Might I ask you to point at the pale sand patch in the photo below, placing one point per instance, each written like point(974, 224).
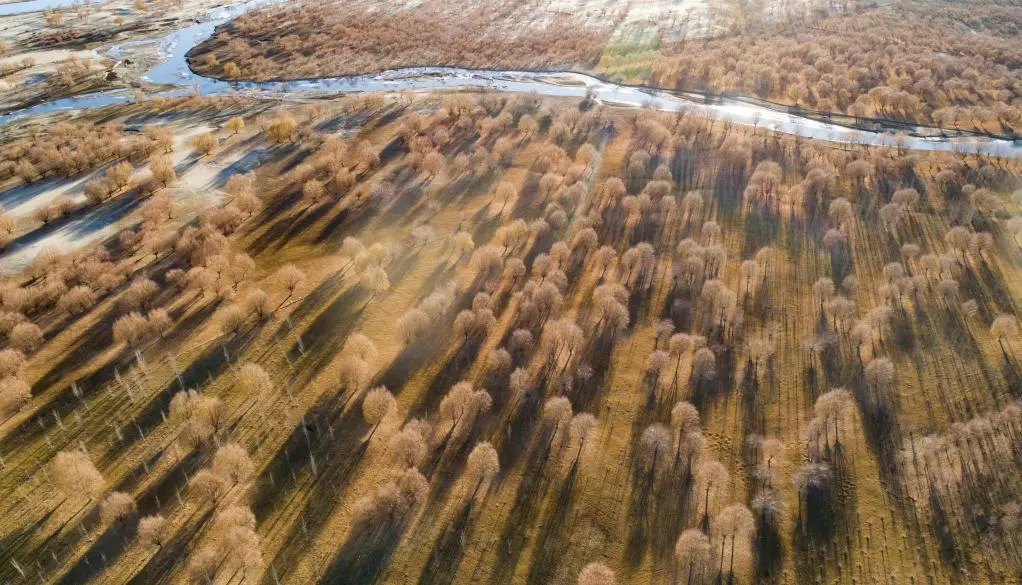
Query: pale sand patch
point(195, 191)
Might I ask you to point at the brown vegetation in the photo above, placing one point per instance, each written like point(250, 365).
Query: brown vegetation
point(361, 39)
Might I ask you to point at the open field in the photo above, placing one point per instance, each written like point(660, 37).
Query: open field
point(463, 338)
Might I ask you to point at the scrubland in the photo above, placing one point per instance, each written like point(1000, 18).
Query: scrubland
point(493, 338)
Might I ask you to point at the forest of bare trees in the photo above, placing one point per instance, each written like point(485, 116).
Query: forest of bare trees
point(499, 333)
point(434, 33)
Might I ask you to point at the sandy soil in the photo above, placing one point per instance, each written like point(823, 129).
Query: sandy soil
point(195, 191)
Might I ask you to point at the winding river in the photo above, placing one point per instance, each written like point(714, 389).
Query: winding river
point(173, 70)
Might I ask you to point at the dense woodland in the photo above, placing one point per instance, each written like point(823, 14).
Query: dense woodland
point(352, 38)
point(493, 337)
point(933, 63)
point(938, 64)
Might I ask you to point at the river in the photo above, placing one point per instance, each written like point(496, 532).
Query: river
point(173, 70)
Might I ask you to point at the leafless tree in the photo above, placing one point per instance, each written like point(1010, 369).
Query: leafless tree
point(713, 477)
point(203, 416)
point(407, 448)
point(282, 129)
point(693, 553)
point(117, 507)
point(162, 170)
point(358, 355)
point(557, 412)
point(736, 522)
point(654, 443)
point(823, 290)
point(202, 565)
point(153, 531)
point(832, 406)
point(233, 464)
point(461, 405)
point(581, 427)
point(596, 574)
point(77, 300)
point(235, 124)
point(75, 475)
point(880, 376)
point(393, 501)
point(482, 466)
point(254, 380)
point(655, 363)
point(704, 364)
point(291, 278)
point(14, 395)
point(25, 337)
point(205, 143)
point(378, 404)
point(1004, 326)
point(813, 481)
point(209, 487)
point(12, 362)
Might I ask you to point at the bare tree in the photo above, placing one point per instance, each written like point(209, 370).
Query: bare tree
point(461, 405)
point(162, 170)
point(1004, 326)
point(234, 124)
point(237, 539)
point(117, 507)
point(233, 464)
point(394, 501)
point(655, 363)
point(407, 448)
point(557, 413)
point(209, 487)
point(12, 362)
point(684, 420)
point(375, 279)
point(75, 475)
point(693, 552)
point(704, 364)
point(14, 395)
point(880, 376)
point(291, 278)
point(581, 427)
point(412, 324)
point(25, 337)
point(482, 466)
point(282, 129)
point(254, 380)
point(202, 565)
point(736, 522)
point(153, 531)
point(713, 477)
point(77, 300)
point(832, 406)
point(205, 143)
point(813, 482)
point(358, 355)
point(596, 574)
point(377, 405)
point(654, 443)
